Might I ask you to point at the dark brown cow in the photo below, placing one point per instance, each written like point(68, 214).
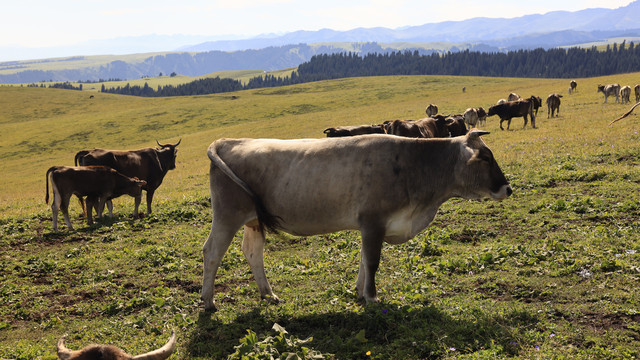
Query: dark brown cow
point(354, 130)
point(95, 182)
point(510, 109)
point(573, 87)
point(423, 128)
point(456, 126)
point(537, 103)
point(553, 104)
point(109, 352)
point(148, 164)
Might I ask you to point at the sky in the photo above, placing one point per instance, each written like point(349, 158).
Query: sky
point(47, 23)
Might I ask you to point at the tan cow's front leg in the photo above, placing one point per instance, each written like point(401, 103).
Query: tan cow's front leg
point(372, 238)
point(253, 250)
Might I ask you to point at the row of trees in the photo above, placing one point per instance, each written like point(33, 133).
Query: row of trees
point(538, 63)
point(63, 85)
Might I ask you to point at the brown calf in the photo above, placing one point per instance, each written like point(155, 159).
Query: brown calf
point(97, 183)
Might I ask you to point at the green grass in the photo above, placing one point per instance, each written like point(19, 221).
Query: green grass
point(551, 272)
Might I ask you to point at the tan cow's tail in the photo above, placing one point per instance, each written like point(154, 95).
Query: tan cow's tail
point(625, 115)
point(265, 219)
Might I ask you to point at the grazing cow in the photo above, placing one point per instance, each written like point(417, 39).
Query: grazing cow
point(388, 187)
point(109, 352)
point(573, 86)
point(354, 130)
point(625, 93)
point(471, 117)
point(501, 101)
point(456, 125)
point(636, 89)
point(482, 116)
point(432, 110)
point(513, 97)
point(553, 104)
point(510, 109)
point(609, 90)
point(148, 164)
point(97, 183)
point(423, 128)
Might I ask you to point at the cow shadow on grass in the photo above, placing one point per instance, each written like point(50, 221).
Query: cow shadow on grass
point(387, 330)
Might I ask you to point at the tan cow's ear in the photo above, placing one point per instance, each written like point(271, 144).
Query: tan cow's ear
point(477, 133)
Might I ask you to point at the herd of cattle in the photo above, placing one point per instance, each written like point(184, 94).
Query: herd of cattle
point(436, 125)
point(387, 187)
point(619, 92)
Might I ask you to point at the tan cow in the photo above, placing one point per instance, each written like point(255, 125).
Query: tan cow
point(97, 183)
point(388, 187)
point(109, 352)
point(513, 97)
point(625, 94)
point(432, 110)
point(636, 89)
point(553, 104)
point(610, 90)
point(471, 117)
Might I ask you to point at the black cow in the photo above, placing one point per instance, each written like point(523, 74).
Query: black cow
point(510, 109)
point(148, 164)
point(354, 130)
point(423, 128)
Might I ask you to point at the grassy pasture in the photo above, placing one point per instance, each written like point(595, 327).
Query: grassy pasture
point(551, 272)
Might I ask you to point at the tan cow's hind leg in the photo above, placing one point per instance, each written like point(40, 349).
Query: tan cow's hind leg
point(213, 250)
point(253, 250)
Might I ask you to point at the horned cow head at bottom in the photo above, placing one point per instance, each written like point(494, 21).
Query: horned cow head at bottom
point(109, 352)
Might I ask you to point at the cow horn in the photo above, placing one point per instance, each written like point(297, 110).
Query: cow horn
point(178, 142)
point(63, 352)
point(162, 353)
point(157, 142)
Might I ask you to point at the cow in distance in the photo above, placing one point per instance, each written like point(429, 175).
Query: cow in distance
point(625, 94)
point(510, 109)
point(573, 86)
point(432, 110)
point(553, 104)
point(610, 90)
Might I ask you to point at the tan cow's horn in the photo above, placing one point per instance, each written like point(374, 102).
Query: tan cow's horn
point(478, 133)
point(63, 352)
point(162, 353)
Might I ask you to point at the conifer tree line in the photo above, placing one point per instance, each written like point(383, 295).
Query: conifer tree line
point(537, 63)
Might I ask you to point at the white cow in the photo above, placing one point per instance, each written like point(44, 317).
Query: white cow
point(388, 187)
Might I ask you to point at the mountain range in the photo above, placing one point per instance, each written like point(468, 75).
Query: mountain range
point(199, 55)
